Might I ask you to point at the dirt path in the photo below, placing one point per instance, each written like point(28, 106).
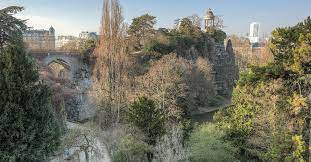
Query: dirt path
point(204, 110)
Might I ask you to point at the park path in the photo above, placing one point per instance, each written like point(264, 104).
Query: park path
point(205, 110)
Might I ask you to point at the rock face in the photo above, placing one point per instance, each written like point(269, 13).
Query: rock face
point(225, 70)
point(203, 73)
point(70, 81)
point(78, 106)
point(222, 58)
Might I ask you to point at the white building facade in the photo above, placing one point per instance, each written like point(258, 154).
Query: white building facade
point(63, 40)
point(88, 35)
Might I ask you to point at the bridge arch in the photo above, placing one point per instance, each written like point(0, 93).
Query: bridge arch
point(62, 62)
point(60, 68)
point(59, 64)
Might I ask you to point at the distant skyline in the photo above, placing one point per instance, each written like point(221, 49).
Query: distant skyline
point(70, 17)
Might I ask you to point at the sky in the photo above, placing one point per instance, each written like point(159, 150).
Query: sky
point(70, 17)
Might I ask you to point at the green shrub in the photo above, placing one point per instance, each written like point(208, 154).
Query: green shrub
point(130, 149)
point(256, 74)
point(144, 114)
point(219, 36)
point(181, 42)
point(207, 145)
point(156, 46)
point(176, 42)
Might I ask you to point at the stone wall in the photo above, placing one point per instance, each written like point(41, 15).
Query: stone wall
point(71, 80)
point(225, 69)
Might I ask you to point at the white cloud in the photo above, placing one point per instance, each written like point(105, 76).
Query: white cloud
point(61, 27)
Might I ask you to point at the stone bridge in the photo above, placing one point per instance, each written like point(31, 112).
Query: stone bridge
point(63, 65)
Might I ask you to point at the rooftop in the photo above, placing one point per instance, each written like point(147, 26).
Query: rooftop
point(209, 14)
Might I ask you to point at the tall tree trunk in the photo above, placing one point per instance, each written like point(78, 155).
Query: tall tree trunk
point(87, 157)
point(111, 66)
point(149, 156)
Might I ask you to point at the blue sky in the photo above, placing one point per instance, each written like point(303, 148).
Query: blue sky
point(73, 16)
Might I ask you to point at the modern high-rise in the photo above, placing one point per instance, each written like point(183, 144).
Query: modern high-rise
point(254, 32)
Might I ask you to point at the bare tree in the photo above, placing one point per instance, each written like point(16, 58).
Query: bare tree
point(176, 23)
point(219, 22)
point(196, 20)
point(84, 139)
point(164, 83)
point(170, 146)
point(110, 70)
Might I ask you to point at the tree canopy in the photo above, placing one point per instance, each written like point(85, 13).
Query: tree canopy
point(270, 115)
point(29, 129)
point(149, 119)
point(206, 145)
point(10, 27)
point(189, 27)
point(141, 29)
point(142, 26)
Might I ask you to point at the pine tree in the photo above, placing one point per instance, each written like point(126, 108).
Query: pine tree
point(141, 29)
point(150, 120)
point(10, 27)
point(29, 129)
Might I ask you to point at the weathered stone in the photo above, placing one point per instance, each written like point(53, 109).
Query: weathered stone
point(74, 77)
point(225, 70)
point(78, 108)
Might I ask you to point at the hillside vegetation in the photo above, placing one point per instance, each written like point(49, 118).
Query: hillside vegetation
point(145, 85)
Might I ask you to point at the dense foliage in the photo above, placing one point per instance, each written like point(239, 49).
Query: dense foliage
point(269, 119)
point(187, 27)
point(144, 114)
point(10, 27)
point(131, 149)
point(141, 29)
point(187, 35)
point(206, 144)
point(178, 42)
point(142, 26)
point(29, 129)
point(219, 36)
point(87, 47)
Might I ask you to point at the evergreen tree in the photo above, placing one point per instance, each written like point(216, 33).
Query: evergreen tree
point(10, 27)
point(142, 26)
point(141, 29)
point(189, 28)
point(150, 120)
point(29, 129)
